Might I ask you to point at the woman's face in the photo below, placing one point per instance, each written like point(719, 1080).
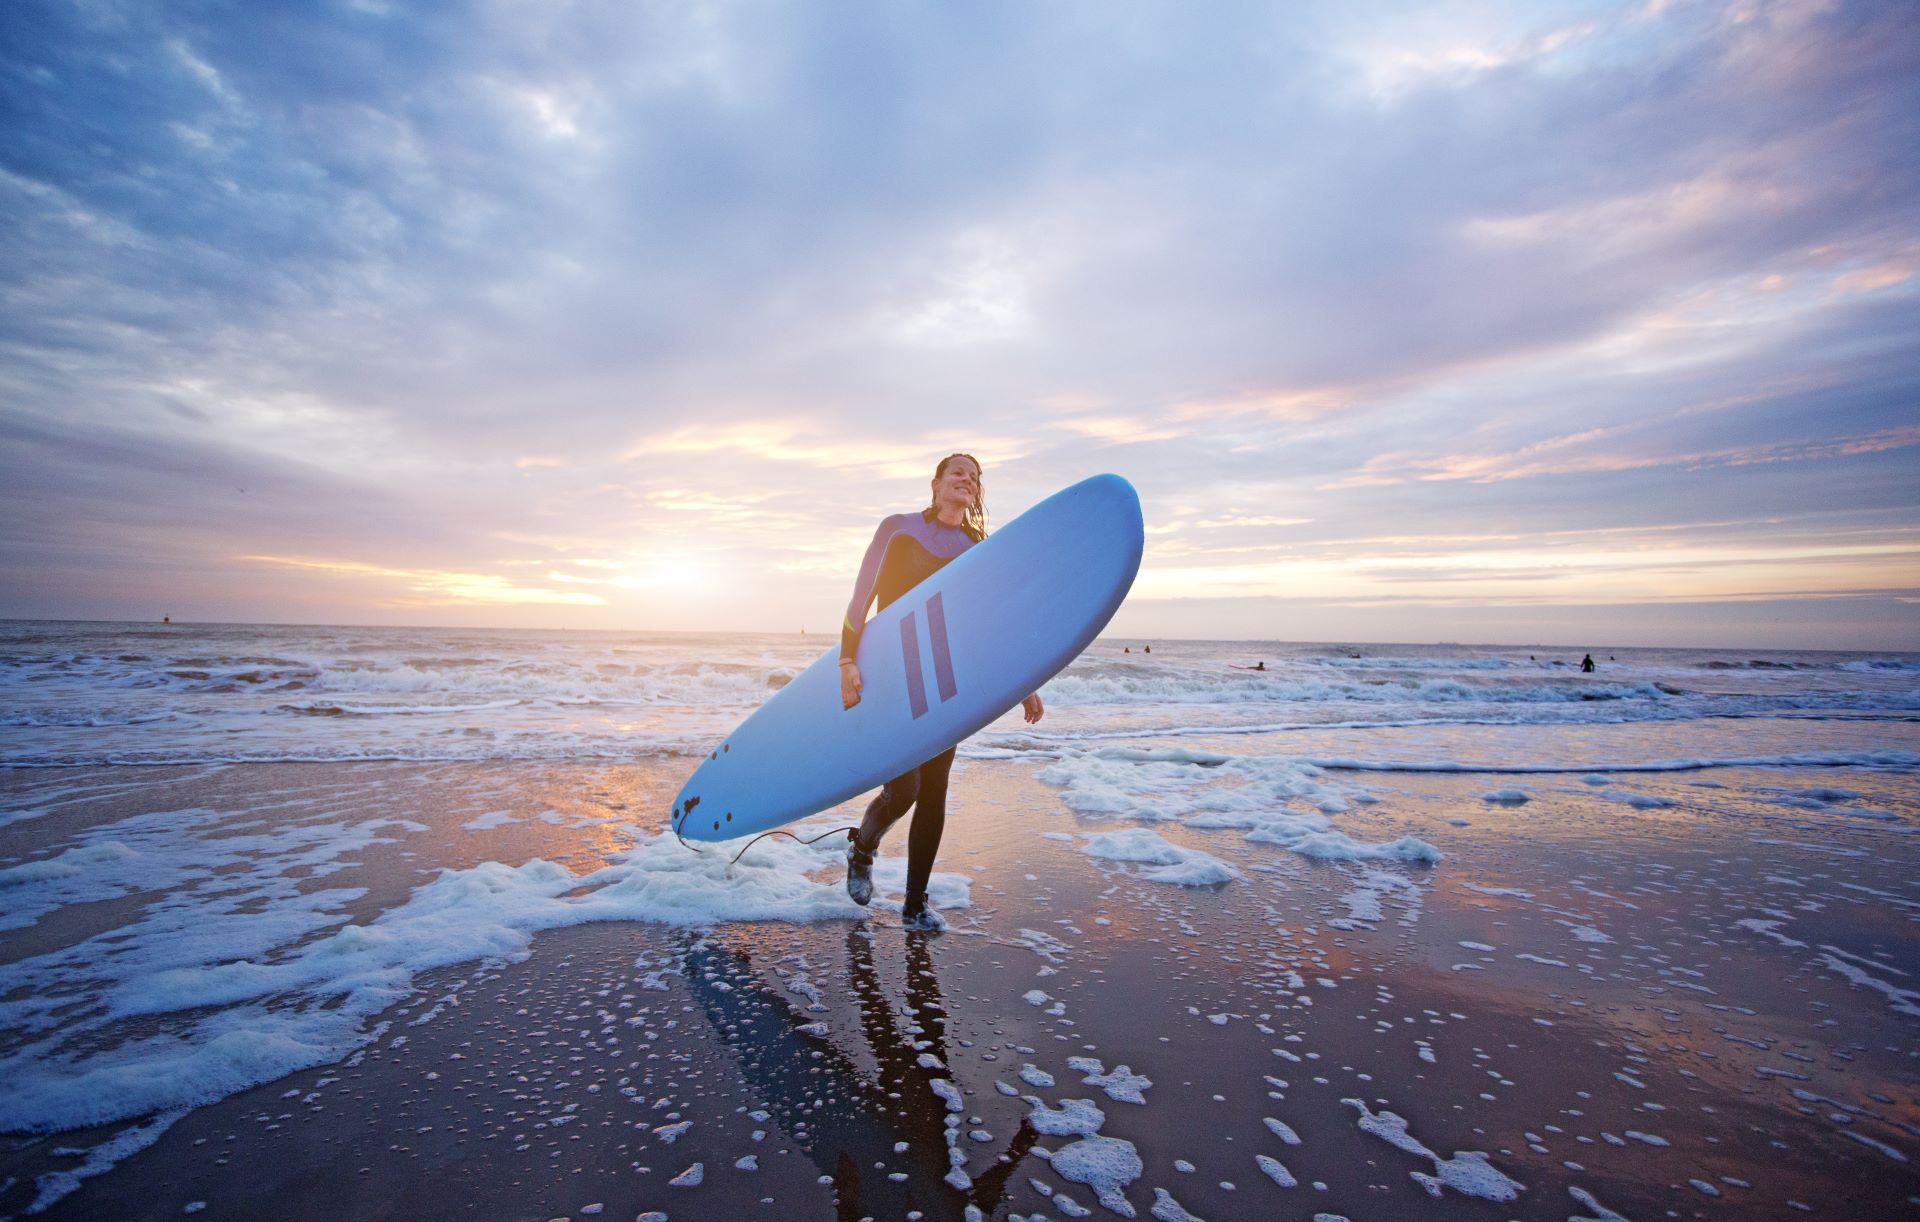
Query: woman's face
point(955, 488)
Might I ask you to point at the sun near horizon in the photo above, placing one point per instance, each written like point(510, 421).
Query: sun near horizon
point(644, 322)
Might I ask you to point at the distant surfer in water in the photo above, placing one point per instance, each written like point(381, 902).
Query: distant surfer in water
point(906, 550)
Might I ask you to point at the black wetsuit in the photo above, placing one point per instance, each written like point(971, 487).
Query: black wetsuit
point(906, 550)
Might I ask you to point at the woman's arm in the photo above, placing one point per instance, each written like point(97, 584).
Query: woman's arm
point(865, 590)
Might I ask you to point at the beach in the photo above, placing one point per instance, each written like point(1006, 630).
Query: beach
point(367, 922)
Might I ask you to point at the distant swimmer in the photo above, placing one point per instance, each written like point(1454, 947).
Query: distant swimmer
point(166, 619)
point(1255, 666)
point(1146, 648)
point(1127, 649)
point(1586, 664)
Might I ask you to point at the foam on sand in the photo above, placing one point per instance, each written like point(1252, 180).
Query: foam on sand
point(164, 851)
point(1641, 801)
point(1167, 863)
point(1276, 1171)
point(1104, 1164)
point(1074, 1118)
point(1903, 1001)
point(282, 1010)
point(1166, 1209)
point(492, 819)
point(1364, 902)
point(1466, 1172)
point(1274, 800)
point(1122, 1085)
point(1338, 846)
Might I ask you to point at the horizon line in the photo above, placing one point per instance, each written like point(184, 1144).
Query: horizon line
point(1541, 645)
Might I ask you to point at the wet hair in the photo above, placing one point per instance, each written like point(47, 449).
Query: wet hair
point(973, 519)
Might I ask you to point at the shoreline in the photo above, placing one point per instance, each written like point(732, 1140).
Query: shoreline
point(1548, 1014)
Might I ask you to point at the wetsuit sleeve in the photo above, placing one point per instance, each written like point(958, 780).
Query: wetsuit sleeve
point(865, 589)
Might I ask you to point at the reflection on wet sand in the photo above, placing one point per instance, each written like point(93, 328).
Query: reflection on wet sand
point(885, 1140)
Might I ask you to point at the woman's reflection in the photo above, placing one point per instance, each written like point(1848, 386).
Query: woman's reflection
point(845, 1119)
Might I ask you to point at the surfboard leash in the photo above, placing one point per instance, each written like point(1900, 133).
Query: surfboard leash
point(850, 831)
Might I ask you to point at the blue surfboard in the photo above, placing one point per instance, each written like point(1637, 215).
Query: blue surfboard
point(951, 655)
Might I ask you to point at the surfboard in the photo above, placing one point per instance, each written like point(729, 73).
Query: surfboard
point(944, 660)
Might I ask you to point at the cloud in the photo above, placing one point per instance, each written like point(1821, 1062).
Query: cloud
point(1549, 458)
point(472, 288)
point(434, 587)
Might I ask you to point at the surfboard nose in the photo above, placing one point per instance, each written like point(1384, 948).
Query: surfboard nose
point(1118, 494)
point(1125, 501)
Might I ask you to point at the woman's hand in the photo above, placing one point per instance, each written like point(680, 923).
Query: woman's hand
point(849, 684)
point(1033, 708)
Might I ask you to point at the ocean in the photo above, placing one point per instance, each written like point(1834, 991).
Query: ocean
point(97, 693)
point(387, 920)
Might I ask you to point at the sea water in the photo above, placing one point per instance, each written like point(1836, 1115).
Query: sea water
point(229, 965)
point(103, 693)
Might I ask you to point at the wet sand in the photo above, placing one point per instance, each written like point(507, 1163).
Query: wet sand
point(1570, 991)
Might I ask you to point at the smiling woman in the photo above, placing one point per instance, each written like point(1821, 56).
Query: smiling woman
point(906, 550)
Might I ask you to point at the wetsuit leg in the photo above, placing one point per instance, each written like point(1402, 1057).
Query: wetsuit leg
point(929, 820)
point(887, 806)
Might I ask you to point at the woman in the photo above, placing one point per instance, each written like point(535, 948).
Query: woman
point(906, 549)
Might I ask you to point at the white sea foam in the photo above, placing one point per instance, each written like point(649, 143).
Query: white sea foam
point(1168, 863)
point(89, 718)
point(1364, 902)
point(55, 1186)
point(1276, 1171)
point(1166, 1209)
point(1467, 1171)
point(166, 850)
point(1165, 685)
point(338, 708)
point(1105, 1164)
point(1121, 1084)
point(1903, 1001)
point(1209, 790)
point(1641, 801)
point(253, 1010)
point(1894, 759)
point(1073, 1118)
point(1338, 846)
point(492, 819)
point(1881, 665)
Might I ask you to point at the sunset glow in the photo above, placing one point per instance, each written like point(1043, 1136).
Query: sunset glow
point(1486, 322)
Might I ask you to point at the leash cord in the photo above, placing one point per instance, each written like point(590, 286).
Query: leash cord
point(850, 831)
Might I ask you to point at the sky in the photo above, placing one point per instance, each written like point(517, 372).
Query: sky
point(1535, 322)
